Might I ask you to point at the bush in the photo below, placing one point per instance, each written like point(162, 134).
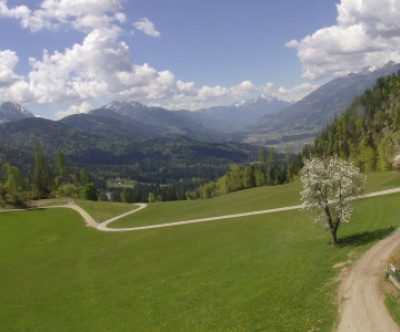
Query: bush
point(67, 190)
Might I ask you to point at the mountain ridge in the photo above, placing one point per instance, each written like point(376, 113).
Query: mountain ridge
point(10, 112)
point(316, 110)
point(262, 120)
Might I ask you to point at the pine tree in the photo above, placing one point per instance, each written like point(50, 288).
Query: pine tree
point(42, 179)
point(61, 168)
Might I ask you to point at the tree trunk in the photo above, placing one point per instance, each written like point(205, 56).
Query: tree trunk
point(334, 238)
point(332, 226)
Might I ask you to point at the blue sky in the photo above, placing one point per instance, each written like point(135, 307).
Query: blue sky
point(59, 57)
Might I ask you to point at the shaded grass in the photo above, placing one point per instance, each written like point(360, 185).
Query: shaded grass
point(260, 273)
point(360, 239)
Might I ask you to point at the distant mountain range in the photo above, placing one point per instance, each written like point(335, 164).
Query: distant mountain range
point(157, 121)
point(229, 119)
point(179, 161)
point(306, 118)
point(263, 120)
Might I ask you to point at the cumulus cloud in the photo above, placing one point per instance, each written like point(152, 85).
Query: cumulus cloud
point(100, 66)
point(367, 33)
point(81, 14)
point(295, 93)
point(189, 97)
point(8, 61)
point(147, 27)
point(83, 108)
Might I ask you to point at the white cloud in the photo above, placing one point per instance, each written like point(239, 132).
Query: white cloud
point(85, 107)
point(101, 66)
point(189, 98)
point(296, 93)
point(367, 33)
point(147, 27)
point(8, 61)
point(81, 14)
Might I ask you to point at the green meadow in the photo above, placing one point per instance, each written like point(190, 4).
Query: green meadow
point(261, 273)
point(261, 198)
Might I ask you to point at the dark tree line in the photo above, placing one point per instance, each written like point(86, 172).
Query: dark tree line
point(272, 169)
point(44, 182)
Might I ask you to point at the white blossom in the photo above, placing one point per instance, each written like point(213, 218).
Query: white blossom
point(328, 185)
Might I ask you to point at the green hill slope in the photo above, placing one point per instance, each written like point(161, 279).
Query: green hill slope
point(270, 272)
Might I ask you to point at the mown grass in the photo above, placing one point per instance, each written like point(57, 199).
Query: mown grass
point(237, 202)
point(262, 273)
point(242, 201)
point(382, 180)
point(101, 211)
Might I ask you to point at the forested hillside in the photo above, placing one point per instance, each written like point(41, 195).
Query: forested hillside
point(368, 132)
point(305, 119)
point(110, 149)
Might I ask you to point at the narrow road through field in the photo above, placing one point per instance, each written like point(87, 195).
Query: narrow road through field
point(361, 301)
point(103, 226)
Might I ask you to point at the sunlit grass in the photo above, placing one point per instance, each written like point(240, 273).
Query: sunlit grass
point(268, 273)
point(261, 198)
point(101, 211)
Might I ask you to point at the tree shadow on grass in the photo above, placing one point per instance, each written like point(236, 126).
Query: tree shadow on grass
point(360, 239)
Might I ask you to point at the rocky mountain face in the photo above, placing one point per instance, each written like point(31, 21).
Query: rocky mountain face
point(11, 112)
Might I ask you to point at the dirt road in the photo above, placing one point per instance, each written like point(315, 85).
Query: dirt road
point(360, 297)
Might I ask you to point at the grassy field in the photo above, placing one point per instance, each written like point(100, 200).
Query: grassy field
point(392, 302)
point(262, 273)
point(101, 211)
point(242, 201)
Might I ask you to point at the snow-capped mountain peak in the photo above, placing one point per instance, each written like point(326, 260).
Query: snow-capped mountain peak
point(11, 112)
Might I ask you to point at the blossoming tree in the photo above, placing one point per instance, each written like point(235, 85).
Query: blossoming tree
point(328, 185)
